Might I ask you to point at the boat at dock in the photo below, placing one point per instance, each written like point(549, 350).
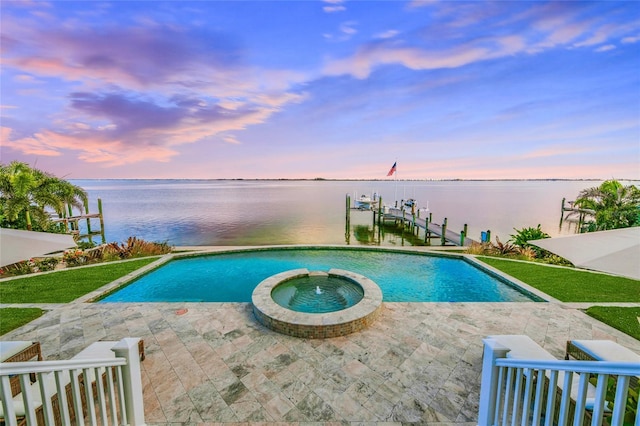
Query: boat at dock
point(366, 202)
point(410, 204)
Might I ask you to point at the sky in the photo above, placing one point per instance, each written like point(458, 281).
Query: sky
point(322, 89)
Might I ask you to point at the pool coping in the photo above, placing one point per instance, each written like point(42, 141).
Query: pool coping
point(316, 325)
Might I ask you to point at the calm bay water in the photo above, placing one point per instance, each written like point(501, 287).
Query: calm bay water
point(212, 212)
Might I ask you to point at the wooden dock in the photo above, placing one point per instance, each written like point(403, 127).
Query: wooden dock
point(570, 214)
point(70, 223)
point(431, 230)
point(410, 220)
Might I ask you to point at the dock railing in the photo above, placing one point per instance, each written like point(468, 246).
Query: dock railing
point(516, 391)
point(82, 391)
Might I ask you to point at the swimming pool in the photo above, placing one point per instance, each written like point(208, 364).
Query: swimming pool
point(402, 277)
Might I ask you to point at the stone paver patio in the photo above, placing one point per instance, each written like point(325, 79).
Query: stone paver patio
point(418, 363)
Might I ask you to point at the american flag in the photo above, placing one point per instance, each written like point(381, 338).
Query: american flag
point(393, 169)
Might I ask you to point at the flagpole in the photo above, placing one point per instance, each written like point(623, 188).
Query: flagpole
point(396, 178)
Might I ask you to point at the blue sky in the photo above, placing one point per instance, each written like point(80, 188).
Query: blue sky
point(333, 89)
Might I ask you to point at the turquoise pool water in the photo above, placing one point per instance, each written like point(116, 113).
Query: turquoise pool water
point(402, 277)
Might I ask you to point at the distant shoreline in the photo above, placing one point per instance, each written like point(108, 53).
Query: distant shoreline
point(357, 180)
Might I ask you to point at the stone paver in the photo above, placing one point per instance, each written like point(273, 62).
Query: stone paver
point(418, 362)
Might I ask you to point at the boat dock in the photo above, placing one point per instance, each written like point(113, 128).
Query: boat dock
point(410, 220)
point(414, 223)
point(70, 223)
point(570, 214)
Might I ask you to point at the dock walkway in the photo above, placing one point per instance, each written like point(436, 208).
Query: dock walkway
point(432, 230)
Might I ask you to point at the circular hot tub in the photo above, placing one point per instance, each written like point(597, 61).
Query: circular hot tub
point(316, 304)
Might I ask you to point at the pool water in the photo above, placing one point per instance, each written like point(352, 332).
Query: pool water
point(402, 277)
point(317, 294)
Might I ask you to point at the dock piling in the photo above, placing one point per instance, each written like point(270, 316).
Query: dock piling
point(104, 240)
point(443, 239)
point(86, 210)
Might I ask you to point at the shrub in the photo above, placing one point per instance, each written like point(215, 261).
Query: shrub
point(527, 253)
point(479, 248)
point(29, 266)
point(19, 268)
point(504, 248)
point(46, 264)
point(84, 245)
point(135, 247)
point(522, 237)
point(553, 259)
point(74, 257)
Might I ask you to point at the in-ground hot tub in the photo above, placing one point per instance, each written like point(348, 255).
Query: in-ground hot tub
point(317, 304)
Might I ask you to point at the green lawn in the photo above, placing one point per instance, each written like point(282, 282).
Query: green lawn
point(67, 285)
point(568, 284)
point(574, 285)
point(12, 318)
point(623, 319)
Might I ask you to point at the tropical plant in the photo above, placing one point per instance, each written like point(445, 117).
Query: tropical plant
point(26, 193)
point(504, 248)
point(614, 205)
point(522, 237)
point(135, 247)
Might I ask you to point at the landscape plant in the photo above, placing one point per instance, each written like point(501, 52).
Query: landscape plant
point(74, 257)
point(29, 266)
point(613, 204)
point(504, 249)
point(135, 247)
point(27, 193)
point(518, 247)
point(522, 237)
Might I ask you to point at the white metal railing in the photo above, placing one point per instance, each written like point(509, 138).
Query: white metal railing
point(536, 392)
point(84, 391)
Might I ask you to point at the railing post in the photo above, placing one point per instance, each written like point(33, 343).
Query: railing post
point(7, 407)
point(132, 381)
point(489, 382)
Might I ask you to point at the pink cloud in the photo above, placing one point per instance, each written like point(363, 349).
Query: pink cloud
point(366, 59)
point(115, 128)
point(142, 91)
point(30, 145)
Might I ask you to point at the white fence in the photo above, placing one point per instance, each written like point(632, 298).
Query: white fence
point(85, 391)
point(523, 392)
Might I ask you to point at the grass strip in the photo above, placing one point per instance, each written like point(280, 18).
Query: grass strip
point(570, 285)
point(623, 319)
point(12, 318)
point(67, 285)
